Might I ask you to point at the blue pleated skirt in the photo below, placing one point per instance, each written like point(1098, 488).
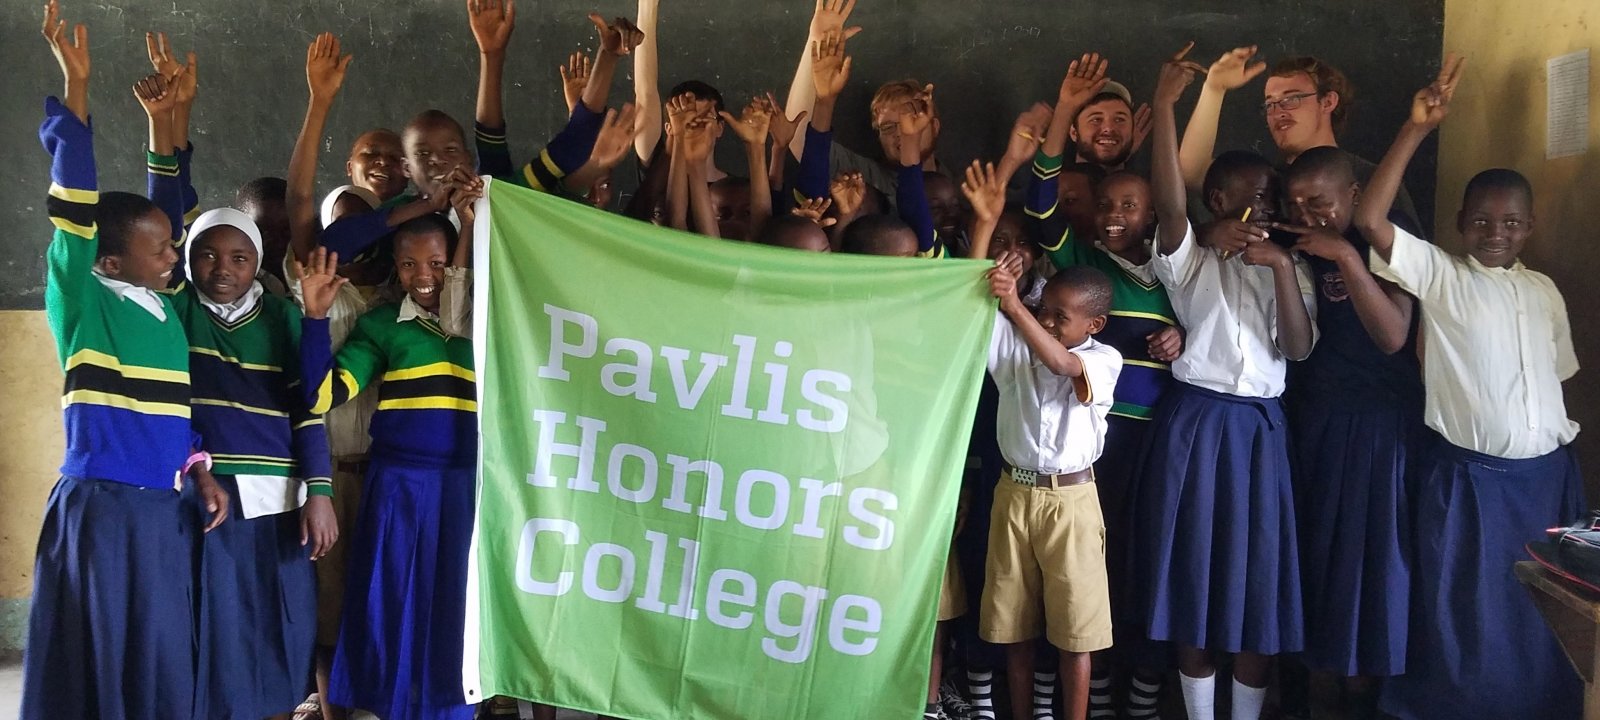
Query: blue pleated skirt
point(400, 638)
point(1115, 475)
point(111, 633)
point(1214, 560)
point(1355, 533)
point(1478, 648)
point(258, 615)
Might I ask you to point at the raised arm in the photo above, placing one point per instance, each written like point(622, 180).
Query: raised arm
point(1166, 177)
point(492, 22)
point(1051, 354)
point(1229, 72)
point(911, 195)
point(647, 82)
point(1085, 78)
point(680, 113)
point(1428, 108)
point(325, 69)
point(617, 39)
point(830, 71)
point(695, 147)
point(164, 185)
point(187, 83)
point(986, 191)
point(73, 194)
point(617, 133)
point(830, 17)
point(751, 127)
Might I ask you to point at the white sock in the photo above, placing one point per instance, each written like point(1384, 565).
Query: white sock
point(1200, 696)
point(1247, 701)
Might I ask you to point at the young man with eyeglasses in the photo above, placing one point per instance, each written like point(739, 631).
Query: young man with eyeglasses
point(1307, 102)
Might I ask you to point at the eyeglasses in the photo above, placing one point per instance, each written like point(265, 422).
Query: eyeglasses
point(1288, 102)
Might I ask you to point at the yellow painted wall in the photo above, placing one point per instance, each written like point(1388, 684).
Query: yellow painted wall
point(1498, 120)
point(30, 458)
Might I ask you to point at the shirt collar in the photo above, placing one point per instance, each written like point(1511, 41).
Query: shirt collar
point(1145, 272)
point(410, 310)
point(1473, 263)
point(233, 312)
point(142, 296)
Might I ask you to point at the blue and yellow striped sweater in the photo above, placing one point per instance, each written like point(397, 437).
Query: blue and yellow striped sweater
point(427, 404)
point(126, 398)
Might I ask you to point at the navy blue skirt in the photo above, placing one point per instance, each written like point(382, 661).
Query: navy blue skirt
point(1478, 648)
point(111, 634)
point(400, 638)
point(258, 615)
point(1215, 564)
point(1355, 535)
point(1115, 474)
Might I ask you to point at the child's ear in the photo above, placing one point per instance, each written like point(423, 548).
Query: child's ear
point(1097, 324)
point(349, 170)
point(1214, 201)
point(1461, 221)
point(110, 265)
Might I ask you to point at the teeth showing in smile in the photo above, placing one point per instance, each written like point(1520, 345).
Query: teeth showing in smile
point(1115, 230)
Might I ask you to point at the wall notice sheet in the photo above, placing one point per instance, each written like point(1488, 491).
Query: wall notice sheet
point(1567, 105)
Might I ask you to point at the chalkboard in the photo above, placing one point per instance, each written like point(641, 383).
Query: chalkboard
point(989, 60)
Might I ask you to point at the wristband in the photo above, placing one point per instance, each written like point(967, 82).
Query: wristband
point(197, 459)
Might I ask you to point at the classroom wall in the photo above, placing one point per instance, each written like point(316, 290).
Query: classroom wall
point(1498, 120)
point(989, 60)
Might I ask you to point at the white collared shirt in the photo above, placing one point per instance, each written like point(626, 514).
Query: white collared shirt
point(137, 294)
point(410, 310)
point(1041, 424)
point(1497, 346)
point(1230, 311)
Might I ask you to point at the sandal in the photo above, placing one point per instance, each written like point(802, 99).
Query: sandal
point(311, 709)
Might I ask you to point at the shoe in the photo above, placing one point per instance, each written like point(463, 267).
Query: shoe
point(311, 709)
point(954, 706)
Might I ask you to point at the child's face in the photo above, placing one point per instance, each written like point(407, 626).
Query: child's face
point(1253, 188)
point(148, 258)
point(600, 194)
point(1122, 216)
point(731, 203)
point(1075, 194)
point(1496, 224)
point(797, 236)
point(1010, 235)
point(272, 219)
point(1308, 124)
point(1061, 313)
point(1321, 199)
point(944, 203)
point(225, 263)
point(899, 242)
point(1103, 132)
point(433, 150)
point(419, 260)
point(377, 163)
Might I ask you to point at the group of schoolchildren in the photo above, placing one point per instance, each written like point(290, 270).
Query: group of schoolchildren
point(1234, 410)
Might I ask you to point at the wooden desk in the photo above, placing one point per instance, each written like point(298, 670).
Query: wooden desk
point(1574, 614)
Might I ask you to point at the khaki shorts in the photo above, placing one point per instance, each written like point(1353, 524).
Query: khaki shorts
point(1046, 568)
point(952, 592)
point(331, 568)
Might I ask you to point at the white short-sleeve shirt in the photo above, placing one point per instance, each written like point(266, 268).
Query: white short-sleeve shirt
point(1042, 425)
point(1497, 345)
point(1230, 312)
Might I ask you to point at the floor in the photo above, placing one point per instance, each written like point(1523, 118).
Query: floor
point(10, 690)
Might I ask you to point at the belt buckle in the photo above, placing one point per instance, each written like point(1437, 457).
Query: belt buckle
point(1025, 477)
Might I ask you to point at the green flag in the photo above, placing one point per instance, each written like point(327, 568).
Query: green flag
point(717, 480)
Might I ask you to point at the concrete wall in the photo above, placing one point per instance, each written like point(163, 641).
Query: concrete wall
point(1498, 120)
point(30, 393)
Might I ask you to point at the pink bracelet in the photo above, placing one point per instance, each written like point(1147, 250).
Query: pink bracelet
point(196, 459)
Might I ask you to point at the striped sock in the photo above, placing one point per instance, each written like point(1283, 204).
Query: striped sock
point(980, 691)
point(1144, 692)
point(1044, 695)
point(1100, 695)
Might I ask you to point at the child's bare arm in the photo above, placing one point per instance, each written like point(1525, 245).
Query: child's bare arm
point(1428, 108)
point(752, 127)
point(697, 145)
point(1230, 72)
point(986, 192)
point(1166, 176)
point(1385, 310)
point(492, 22)
point(1294, 336)
point(646, 81)
point(680, 111)
point(618, 38)
point(617, 133)
point(325, 69)
point(1003, 285)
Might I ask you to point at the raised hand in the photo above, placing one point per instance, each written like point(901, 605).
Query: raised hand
point(830, 67)
point(984, 191)
point(783, 128)
point(492, 22)
point(1176, 74)
point(814, 209)
point(574, 78)
point(616, 136)
point(697, 138)
point(1086, 77)
point(325, 68)
point(158, 94)
point(751, 125)
point(618, 38)
point(1431, 104)
point(913, 122)
point(1234, 69)
point(319, 282)
point(1143, 122)
point(680, 110)
point(163, 62)
point(72, 55)
point(462, 189)
point(1027, 133)
point(830, 16)
point(848, 191)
